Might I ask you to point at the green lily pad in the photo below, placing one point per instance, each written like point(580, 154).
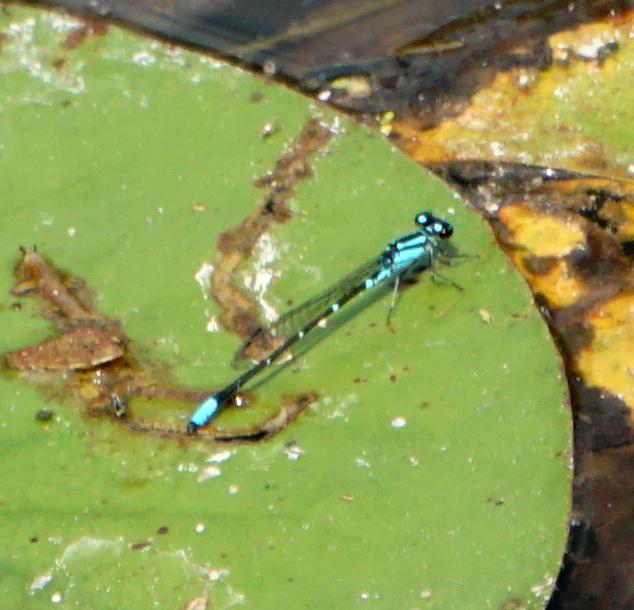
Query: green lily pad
point(433, 471)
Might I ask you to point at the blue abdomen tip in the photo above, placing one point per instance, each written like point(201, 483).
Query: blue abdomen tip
point(204, 412)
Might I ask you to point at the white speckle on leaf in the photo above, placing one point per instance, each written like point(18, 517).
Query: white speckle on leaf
point(39, 582)
point(399, 422)
point(362, 462)
point(293, 451)
point(203, 278)
point(198, 603)
point(211, 472)
point(265, 253)
point(216, 574)
point(143, 58)
point(220, 456)
point(213, 326)
point(485, 315)
point(425, 594)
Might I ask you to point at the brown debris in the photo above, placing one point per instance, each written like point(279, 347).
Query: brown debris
point(291, 407)
point(239, 312)
point(78, 349)
point(35, 275)
point(93, 359)
point(89, 27)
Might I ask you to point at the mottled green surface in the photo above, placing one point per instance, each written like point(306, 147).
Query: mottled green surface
point(460, 503)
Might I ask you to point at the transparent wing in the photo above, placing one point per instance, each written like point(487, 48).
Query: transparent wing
point(297, 318)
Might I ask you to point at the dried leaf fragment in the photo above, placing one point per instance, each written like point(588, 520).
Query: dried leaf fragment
point(78, 349)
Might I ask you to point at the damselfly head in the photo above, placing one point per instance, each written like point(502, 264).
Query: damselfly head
point(433, 225)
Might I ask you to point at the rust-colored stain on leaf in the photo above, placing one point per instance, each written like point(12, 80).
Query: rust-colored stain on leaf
point(93, 359)
point(35, 275)
point(239, 311)
point(89, 27)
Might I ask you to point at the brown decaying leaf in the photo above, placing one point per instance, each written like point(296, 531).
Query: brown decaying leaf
point(570, 236)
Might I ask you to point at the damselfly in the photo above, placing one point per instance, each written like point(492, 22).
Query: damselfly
point(401, 258)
